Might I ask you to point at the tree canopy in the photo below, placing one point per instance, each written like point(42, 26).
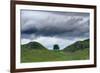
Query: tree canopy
point(56, 47)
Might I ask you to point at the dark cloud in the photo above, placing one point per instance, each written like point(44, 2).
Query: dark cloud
point(54, 24)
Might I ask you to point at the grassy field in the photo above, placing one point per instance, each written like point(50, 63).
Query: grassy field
point(36, 52)
point(42, 55)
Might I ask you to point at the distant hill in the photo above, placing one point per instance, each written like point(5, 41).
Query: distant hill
point(79, 45)
point(33, 45)
point(35, 52)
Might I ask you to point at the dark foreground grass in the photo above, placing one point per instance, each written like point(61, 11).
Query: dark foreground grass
point(42, 55)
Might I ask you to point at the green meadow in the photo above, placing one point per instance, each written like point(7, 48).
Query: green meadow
point(35, 52)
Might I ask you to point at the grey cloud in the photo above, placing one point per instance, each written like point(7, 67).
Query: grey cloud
point(54, 24)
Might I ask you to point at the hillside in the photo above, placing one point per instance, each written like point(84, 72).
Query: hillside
point(35, 52)
point(79, 45)
point(33, 45)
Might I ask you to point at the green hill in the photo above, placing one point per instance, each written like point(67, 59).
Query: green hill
point(33, 45)
point(36, 52)
point(79, 45)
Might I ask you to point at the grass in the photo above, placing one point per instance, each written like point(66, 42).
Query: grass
point(42, 55)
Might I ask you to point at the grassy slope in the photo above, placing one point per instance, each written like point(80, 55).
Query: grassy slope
point(33, 45)
point(49, 55)
point(35, 52)
point(79, 45)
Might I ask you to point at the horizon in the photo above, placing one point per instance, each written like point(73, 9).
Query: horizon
point(54, 27)
point(53, 44)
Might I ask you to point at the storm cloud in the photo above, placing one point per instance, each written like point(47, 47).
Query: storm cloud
point(54, 24)
point(63, 25)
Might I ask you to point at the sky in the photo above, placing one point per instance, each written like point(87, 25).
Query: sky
point(54, 27)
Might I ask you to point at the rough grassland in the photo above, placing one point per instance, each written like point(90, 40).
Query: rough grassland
point(42, 55)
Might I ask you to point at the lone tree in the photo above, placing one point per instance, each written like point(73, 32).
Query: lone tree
point(56, 47)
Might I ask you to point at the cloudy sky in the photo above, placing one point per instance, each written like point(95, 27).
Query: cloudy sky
point(52, 27)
